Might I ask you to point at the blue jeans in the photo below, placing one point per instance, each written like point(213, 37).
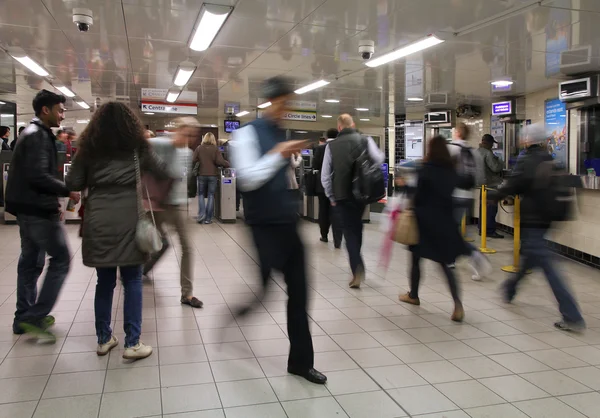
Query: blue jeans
point(40, 236)
point(206, 211)
point(131, 277)
point(536, 254)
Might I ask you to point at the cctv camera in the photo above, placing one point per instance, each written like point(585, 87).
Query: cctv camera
point(83, 18)
point(366, 49)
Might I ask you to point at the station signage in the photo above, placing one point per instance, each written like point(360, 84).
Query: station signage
point(182, 109)
point(502, 108)
point(300, 116)
point(153, 101)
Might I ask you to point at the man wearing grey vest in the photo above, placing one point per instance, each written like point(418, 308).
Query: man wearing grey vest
point(336, 177)
point(261, 155)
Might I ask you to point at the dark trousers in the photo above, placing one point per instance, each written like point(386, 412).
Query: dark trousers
point(491, 213)
point(131, 277)
point(415, 276)
point(350, 214)
point(327, 218)
point(280, 248)
point(535, 253)
point(40, 236)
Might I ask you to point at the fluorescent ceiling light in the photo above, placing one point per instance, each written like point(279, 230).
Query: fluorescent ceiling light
point(82, 104)
point(425, 43)
point(362, 109)
point(301, 132)
point(365, 119)
point(184, 73)
point(242, 113)
point(326, 116)
point(212, 17)
point(2, 102)
point(148, 113)
point(65, 90)
point(7, 115)
point(173, 95)
point(502, 83)
point(312, 86)
point(20, 55)
point(83, 121)
point(332, 101)
point(414, 99)
point(264, 105)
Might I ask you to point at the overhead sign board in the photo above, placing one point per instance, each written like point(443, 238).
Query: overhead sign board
point(502, 108)
point(153, 101)
point(180, 109)
point(303, 105)
point(300, 116)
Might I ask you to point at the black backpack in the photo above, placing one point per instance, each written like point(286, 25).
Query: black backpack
point(368, 185)
point(554, 192)
point(466, 168)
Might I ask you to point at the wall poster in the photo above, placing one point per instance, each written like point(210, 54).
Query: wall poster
point(555, 122)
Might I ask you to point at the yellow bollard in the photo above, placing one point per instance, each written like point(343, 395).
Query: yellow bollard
point(463, 229)
point(483, 216)
point(517, 238)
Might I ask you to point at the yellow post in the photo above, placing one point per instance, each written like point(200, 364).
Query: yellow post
point(517, 238)
point(463, 228)
point(483, 216)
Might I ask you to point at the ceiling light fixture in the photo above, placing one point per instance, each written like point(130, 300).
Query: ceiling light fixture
point(184, 73)
point(365, 119)
point(409, 49)
point(65, 90)
point(312, 86)
point(264, 105)
point(20, 55)
point(172, 95)
point(211, 19)
point(1, 103)
point(414, 99)
point(83, 121)
point(362, 109)
point(326, 116)
point(332, 101)
point(148, 113)
point(82, 104)
point(242, 113)
point(301, 132)
point(502, 83)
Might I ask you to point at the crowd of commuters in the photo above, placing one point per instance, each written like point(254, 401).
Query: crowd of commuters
point(121, 167)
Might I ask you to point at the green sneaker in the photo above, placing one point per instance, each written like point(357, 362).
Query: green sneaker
point(39, 331)
point(48, 321)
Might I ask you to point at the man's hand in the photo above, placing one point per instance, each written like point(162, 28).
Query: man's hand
point(75, 197)
point(288, 148)
point(332, 203)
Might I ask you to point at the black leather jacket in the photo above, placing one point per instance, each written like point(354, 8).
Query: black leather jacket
point(33, 187)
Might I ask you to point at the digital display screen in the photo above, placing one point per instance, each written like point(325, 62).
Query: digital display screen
point(502, 108)
point(231, 125)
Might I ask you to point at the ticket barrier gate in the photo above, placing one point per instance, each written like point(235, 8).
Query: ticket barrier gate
point(8, 218)
point(225, 196)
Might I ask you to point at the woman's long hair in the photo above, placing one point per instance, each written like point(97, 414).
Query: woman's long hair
point(209, 139)
point(438, 154)
point(114, 131)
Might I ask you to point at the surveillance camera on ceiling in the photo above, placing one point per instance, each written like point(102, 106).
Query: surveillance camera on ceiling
point(366, 49)
point(83, 19)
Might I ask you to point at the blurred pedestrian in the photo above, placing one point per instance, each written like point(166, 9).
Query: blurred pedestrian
point(261, 155)
point(208, 159)
point(493, 167)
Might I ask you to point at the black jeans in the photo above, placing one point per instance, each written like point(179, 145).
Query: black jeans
point(327, 218)
point(350, 216)
point(415, 276)
point(40, 236)
point(280, 248)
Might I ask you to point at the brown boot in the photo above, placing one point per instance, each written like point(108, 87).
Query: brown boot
point(459, 313)
point(406, 298)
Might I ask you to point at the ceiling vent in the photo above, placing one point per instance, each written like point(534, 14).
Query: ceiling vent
point(436, 99)
point(578, 60)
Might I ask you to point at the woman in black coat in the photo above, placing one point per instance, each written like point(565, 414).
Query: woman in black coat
point(439, 236)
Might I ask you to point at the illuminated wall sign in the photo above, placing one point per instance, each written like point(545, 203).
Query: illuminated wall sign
point(502, 108)
point(153, 100)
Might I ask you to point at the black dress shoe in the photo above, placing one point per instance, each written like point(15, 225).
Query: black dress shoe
point(323, 239)
point(312, 375)
point(495, 235)
point(337, 245)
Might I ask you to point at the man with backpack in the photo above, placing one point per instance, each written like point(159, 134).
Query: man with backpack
point(337, 176)
point(470, 170)
point(540, 186)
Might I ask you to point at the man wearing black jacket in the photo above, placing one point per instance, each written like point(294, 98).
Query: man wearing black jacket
point(32, 194)
point(524, 181)
point(326, 215)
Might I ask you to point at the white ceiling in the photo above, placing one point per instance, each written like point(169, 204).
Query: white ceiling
point(138, 43)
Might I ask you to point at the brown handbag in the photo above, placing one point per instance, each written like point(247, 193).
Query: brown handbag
point(406, 230)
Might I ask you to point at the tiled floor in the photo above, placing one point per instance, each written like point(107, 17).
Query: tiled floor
point(383, 359)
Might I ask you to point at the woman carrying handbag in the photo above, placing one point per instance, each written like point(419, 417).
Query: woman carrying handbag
point(116, 232)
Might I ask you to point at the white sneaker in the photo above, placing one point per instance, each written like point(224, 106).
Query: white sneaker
point(137, 352)
point(104, 349)
point(481, 265)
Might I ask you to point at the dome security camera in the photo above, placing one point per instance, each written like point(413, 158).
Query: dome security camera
point(366, 49)
point(83, 19)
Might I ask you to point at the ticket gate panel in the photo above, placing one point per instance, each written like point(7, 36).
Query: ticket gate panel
point(225, 197)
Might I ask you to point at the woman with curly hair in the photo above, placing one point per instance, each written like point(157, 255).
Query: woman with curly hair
point(110, 148)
